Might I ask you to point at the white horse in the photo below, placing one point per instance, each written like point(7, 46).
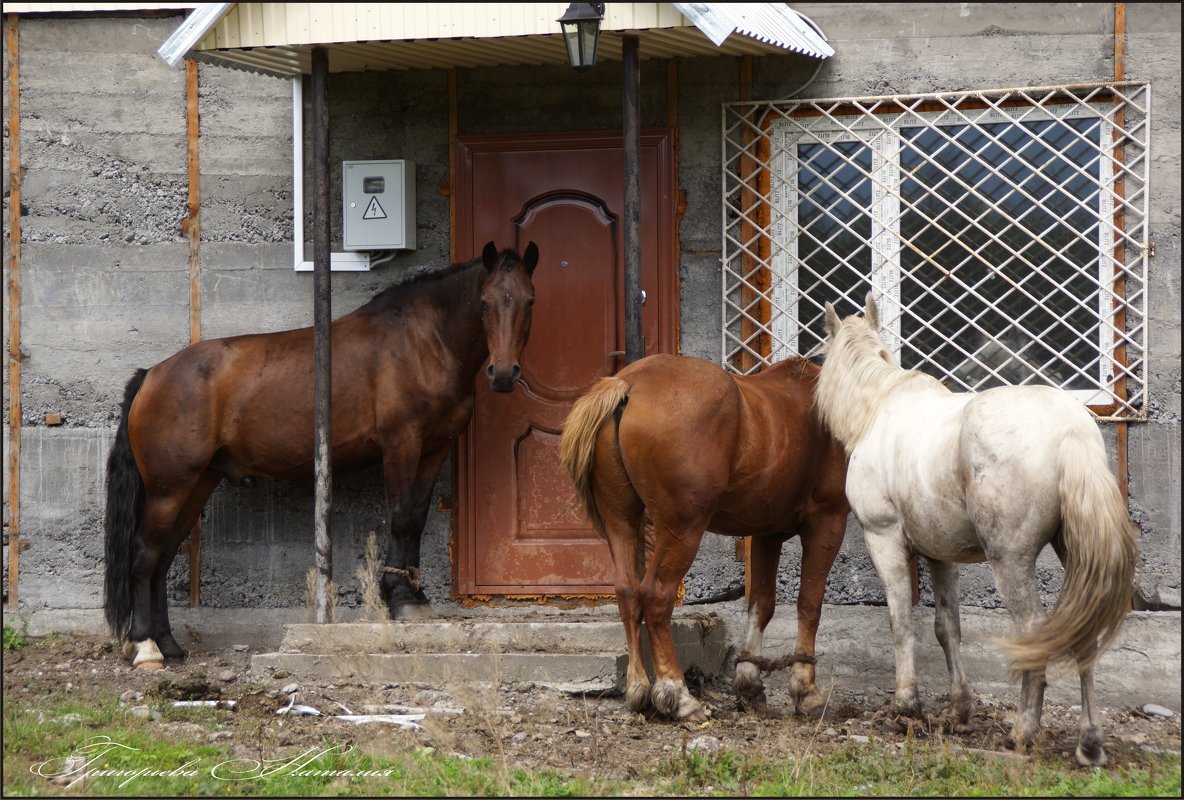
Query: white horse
point(967, 477)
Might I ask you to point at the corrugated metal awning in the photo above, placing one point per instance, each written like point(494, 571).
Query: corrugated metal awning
point(278, 38)
point(775, 23)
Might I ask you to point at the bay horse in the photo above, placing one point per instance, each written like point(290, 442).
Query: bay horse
point(698, 448)
point(403, 371)
point(981, 476)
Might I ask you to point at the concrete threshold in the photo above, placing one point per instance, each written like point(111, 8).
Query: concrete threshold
point(577, 653)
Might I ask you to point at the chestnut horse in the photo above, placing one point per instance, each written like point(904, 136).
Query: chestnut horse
point(699, 448)
point(403, 367)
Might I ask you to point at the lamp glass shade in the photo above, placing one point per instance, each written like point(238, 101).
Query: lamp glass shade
point(581, 33)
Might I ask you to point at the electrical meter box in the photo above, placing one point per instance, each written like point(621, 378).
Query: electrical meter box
point(378, 205)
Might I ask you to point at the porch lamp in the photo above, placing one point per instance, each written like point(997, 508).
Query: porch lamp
point(581, 32)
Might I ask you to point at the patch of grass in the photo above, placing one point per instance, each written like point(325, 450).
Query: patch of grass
point(14, 639)
point(124, 755)
point(929, 769)
point(64, 748)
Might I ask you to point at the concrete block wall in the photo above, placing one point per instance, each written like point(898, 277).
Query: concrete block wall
point(105, 281)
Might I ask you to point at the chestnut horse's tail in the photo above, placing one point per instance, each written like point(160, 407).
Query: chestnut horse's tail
point(577, 446)
point(125, 501)
point(1100, 545)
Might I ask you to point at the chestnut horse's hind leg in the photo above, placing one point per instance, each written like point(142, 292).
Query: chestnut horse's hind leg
point(674, 551)
point(763, 559)
point(622, 512)
point(821, 540)
point(409, 482)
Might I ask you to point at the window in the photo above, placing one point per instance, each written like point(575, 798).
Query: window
point(1002, 233)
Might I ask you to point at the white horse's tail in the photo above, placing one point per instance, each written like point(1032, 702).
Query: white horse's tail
point(1101, 547)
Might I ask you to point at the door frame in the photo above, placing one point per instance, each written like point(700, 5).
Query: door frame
point(462, 546)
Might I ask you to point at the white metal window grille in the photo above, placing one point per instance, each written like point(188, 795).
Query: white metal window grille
point(1003, 233)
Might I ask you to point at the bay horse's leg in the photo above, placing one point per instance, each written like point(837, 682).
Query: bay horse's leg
point(161, 630)
point(1015, 577)
point(891, 559)
point(821, 541)
point(764, 557)
point(409, 479)
point(675, 548)
point(167, 518)
point(948, 628)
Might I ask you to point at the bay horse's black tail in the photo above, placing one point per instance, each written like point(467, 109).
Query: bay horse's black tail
point(125, 501)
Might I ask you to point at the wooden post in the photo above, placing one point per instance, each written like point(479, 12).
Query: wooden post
point(192, 229)
point(1121, 440)
point(14, 310)
point(322, 348)
point(631, 211)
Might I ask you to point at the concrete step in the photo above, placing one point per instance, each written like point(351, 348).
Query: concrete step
point(572, 654)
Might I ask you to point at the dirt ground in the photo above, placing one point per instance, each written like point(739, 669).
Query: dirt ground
point(529, 728)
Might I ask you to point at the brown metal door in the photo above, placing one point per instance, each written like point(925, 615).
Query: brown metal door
point(520, 531)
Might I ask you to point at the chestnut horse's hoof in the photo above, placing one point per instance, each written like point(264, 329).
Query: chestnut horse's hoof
point(812, 704)
point(673, 700)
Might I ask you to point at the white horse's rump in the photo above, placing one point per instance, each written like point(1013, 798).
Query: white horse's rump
point(995, 476)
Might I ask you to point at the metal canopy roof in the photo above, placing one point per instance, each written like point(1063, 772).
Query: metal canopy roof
point(278, 38)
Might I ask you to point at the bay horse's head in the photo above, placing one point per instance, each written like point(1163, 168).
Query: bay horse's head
point(507, 295)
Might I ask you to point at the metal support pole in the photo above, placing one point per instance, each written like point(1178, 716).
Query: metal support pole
point(322, 348)
point(631, 155)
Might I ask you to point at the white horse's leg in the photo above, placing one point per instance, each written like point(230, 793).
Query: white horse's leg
point(947, 626)
point(1089, 745)
point(1090, 741)
point(891, 560)
point(1016, 579)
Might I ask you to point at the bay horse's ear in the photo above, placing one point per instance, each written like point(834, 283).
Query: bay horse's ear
point(832, 320)
point(530, 258)
point(871, 314)
point(489, 256)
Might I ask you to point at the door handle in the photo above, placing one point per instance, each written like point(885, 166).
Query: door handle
point(615, 353)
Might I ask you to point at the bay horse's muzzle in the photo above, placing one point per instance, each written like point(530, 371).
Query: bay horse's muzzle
point(501, 379)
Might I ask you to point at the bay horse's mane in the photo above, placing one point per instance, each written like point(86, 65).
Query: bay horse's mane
point(428, 279)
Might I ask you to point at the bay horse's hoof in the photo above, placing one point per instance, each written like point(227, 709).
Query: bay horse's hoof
point(145, 654)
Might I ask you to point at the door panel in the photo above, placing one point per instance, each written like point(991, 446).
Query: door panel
point(520, 530)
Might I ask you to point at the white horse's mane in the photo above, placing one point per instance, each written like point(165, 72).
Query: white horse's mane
point(858, 374)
